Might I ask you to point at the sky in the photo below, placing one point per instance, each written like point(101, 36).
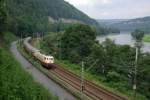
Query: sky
point(113, 9)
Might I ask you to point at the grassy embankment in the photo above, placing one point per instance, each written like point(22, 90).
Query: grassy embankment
point(146, 38)
point(17, 84)
point(118, 88)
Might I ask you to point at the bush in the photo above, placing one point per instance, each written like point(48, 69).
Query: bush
point(113, 76)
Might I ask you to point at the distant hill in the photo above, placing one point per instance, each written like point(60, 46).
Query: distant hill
point(132, 24)
point(108, 22)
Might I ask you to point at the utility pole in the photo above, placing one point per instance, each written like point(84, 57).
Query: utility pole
point(82, 77)
point(60, 48)
point(135, 74)
point(42, 36)
point(36, 35)
point(37, 40)
point(82, 81)
point(20, 39)
point(33, 35)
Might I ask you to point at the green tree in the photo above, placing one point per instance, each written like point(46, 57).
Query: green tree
point(77, 42)
point(144, 74)
point(138, 36)
point(98, 58)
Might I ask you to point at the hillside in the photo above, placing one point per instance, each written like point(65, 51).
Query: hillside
point(132, 24)
point(61, 9)
point(29, 16)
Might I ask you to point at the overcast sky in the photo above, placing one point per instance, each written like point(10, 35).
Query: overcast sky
point(113, 9)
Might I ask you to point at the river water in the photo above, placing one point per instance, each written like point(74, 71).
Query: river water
point(124, 38)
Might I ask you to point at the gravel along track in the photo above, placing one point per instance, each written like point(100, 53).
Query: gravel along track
point(40, 77)
point(93, 91)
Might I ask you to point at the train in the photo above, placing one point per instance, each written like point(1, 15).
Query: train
point(45, 60)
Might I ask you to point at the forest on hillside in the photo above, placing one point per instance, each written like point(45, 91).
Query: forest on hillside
point(132, 24)
point(32, 15)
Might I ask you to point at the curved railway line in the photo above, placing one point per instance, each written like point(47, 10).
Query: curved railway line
point(90, 89)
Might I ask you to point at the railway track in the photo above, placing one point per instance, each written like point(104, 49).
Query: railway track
point(90, 89)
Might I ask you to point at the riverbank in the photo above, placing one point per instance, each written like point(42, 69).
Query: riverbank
point(125, 38)
point(146, 38)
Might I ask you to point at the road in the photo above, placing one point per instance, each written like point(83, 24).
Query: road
point(40, 77)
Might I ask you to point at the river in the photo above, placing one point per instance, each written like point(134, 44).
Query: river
point(124, 38)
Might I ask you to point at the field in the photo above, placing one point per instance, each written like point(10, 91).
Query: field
point(16, 84)
point(146, 38)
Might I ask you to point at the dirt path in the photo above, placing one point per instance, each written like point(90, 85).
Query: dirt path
point(40, 77)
